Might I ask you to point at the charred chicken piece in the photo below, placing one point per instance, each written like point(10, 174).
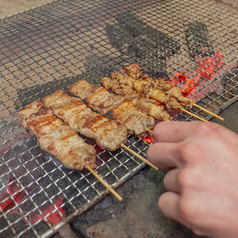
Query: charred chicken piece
point(156, 83)
point(161, 84)
point(56, 137)
point(107, 133)
point(144, 88)
point(133, 71)
point(94, 96)
point(149, 106)
point(176, 93)
point(134, 120)
point(119, 89)
point(114, 106)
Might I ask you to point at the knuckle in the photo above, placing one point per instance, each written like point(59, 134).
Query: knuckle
point(185, 178)
point(187, 150)
point(206, 128)
point(188, 210)
point(185, 209)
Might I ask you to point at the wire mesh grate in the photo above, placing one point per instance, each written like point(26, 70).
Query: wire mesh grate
point(55, 45)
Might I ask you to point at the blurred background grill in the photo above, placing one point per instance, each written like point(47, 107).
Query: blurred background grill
point(55, 45)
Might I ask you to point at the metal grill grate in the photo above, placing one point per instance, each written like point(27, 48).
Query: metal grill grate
point(53, 46)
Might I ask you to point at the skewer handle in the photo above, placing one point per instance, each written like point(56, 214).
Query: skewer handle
point(194, 115)
point(140, 157)
point(149, 130)
point(105, 183)
point(207, 111)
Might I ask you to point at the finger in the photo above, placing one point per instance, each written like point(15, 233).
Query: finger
point(165, 155)
point(174, 131)
point(171, 181)
point(169, 205)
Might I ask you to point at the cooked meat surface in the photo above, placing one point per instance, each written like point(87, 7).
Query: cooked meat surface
point(96, 97)
point(144, 88)
point(133, 119)
point(149, 106)
point(176, 93)
point(134, 72)
point(114, 106)
point(56, 137)
point(108, 133)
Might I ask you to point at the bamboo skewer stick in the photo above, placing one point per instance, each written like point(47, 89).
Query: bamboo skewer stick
point(140, 157)
point(207, 111)
point(105, 183)
point(194, 115)
point(149, 130)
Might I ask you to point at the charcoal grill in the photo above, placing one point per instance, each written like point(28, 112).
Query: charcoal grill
point(55, 45)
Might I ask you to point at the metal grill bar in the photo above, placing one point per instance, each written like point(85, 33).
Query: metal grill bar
point(55, 45)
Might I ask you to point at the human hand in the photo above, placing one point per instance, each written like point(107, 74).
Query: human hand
point(201, 160)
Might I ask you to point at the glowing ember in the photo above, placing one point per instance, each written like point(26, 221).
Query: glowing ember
point(209, 65)
point(186, 83)
point(148, 139)
point(54, 217)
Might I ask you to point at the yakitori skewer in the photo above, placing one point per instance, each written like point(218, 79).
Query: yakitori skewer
point(57, 138)
point(100, 100)
point(149, 130)
point(135, 72)
point(144, 88)
point(114, 106)
point(149, 106)
point(107, 133)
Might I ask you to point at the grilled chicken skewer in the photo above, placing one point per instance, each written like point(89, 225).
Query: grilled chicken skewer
point(117, 108)
point(60, 140)
point(107, 133)
point(160, 84)
point(113, 106)
point(134, 71)
point(149, 106)
point(144, 88)
point(56, 137)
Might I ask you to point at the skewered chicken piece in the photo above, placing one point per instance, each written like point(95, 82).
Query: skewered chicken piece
point(108, 133)
point(56, 137)
point(144, 88)
point(147, 105)
point(113, 106)
point(134, 72)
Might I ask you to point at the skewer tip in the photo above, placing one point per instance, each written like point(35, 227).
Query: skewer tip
point(207, 111)
point(194, 115)
point(105, 183)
